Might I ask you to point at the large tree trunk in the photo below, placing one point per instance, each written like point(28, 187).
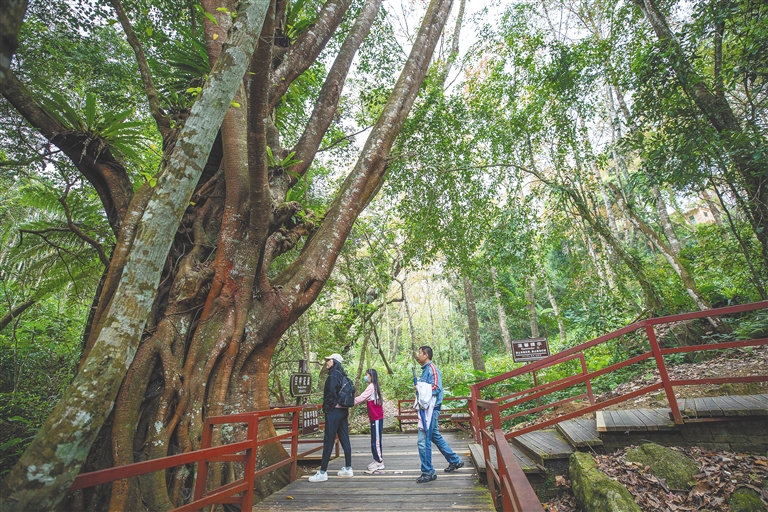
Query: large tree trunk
point(556, 309)
point(530, 300)
point(75, 421)
point(502, 314)
point(475, 348)
point(212, 327)
point(664, 220)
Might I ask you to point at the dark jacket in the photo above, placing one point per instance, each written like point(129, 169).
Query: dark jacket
point(332, 387)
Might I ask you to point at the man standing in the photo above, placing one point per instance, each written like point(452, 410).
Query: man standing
point(431, 375)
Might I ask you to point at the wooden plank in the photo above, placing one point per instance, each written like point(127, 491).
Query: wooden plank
point(687, 408)
point(755, 399)
point(657, 419)
point(610, 421)
point(600, 421)
point(729, 406)
point(707, 408)
point(528, 466)
point(580, 432)
point(760, 399)
point(394, 488)
point(544, 445)
point(748, 405)
point(628, 420)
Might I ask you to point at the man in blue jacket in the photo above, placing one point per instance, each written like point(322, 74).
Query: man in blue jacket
point(431, 375)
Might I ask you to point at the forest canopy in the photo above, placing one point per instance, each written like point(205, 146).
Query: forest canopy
point(197, 195)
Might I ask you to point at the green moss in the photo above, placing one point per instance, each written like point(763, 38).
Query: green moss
point(746, 500)
point(596, 492)
point(677, 469)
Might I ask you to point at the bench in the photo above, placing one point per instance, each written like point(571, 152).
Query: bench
point(456, 415)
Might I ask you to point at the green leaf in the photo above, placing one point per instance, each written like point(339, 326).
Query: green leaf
point(148, 30)
point(211, 18)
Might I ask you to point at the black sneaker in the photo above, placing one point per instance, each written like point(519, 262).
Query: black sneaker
point(426, 478)
point(453, 467)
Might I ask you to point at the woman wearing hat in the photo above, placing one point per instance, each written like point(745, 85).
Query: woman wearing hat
point(336, 420)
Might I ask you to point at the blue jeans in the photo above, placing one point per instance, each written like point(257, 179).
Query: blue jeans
point(425, 448)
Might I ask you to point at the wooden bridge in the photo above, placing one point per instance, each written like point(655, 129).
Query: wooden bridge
point(509, 459)
point(393, 488)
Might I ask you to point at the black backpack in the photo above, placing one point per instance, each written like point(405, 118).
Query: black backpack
point(347, 392)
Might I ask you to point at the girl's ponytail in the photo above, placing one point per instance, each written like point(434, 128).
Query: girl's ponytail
point(375, 381)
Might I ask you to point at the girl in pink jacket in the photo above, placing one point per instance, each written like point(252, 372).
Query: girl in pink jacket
point(372, 397)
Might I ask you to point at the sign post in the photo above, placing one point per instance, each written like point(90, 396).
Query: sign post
point(529, 350)
point(310, 422)
point(301, 384)
point(532, 349)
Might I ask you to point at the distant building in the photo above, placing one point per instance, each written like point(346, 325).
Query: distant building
point(700, 215)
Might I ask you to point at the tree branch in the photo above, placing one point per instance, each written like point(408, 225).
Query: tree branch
point(304, 52)
point(80, 233)
point(161, 118)
point(15, 312)
point(11, 16)
point(106, 174)
point(328, 100)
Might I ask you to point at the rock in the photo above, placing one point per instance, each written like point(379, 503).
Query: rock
point(594, 490)
point(677, 469)
point(746, 500)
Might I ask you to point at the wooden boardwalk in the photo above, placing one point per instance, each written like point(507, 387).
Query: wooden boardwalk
point(393, 488)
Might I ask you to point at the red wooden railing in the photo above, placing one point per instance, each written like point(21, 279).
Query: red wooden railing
point(406, 415)
point(242, 451)
point(513, 485)
point(517, 494)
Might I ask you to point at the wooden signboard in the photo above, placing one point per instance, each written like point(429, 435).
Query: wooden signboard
point(531, 349)
point(310, 422)
point(301, 384)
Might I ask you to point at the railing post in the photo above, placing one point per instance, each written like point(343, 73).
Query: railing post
point(484, 440)
point(474, 395)
point(295, 443)
point(202, 466)
point(663, 374)
point(250, 462)
point(506, 500)
point(588, 382)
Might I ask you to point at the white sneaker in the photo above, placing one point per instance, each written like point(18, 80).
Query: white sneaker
point(346, 472)
point(320, 476)
point(380, 465)
point(373, 466)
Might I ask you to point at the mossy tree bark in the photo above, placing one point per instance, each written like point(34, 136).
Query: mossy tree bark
point(188, 320)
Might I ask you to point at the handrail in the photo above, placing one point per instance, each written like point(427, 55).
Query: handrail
point(517, 494)
point(509, 487)
point(206, 454)
point(445, 413)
